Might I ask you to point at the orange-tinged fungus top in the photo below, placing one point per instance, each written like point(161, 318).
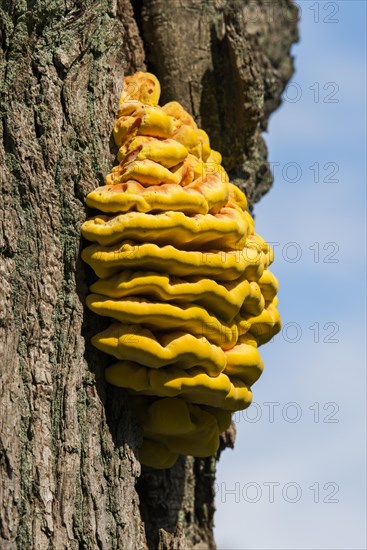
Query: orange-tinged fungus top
point(144, 87)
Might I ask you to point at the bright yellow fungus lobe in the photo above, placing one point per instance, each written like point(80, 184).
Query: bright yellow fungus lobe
point(224, 229)
point(219, 265)
point(224, 299)
point(167, 152)
point(141, 345)
point(133, 196)
point(263, 326)
point(194, 385)
point(182, 427)
point(146, 172)
point(182, 274)
point(188, 137)
point(174, 109)
point(156, 123)
point(244, 361)
point(155, 315)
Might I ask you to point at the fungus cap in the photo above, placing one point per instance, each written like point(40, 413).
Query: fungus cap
point(141, 86)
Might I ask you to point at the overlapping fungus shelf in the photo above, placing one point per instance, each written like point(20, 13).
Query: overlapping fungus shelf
point(183, 276)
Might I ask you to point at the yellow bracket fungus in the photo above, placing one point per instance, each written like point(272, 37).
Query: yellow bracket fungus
point(139, 344)
point(193, 385)
point(224, 229)
point(131, 195)
point(182, 427)
point(183, 275)
point(195, 319)
point(220, 265)
point(167, 152)
point(146, 172)
point(224, 299)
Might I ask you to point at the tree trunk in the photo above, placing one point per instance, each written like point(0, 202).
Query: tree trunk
point(69, 443)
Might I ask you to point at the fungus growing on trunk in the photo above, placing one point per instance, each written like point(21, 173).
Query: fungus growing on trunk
point(182, 274)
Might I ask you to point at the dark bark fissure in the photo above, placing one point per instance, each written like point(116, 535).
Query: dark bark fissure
point(70, 475)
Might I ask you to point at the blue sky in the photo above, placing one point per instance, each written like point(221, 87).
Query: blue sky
point(296, 478)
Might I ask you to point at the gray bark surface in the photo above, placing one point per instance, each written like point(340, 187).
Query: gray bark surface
point(70, 475)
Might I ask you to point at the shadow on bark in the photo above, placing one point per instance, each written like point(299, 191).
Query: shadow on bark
point(121, 423)
point(176, 501)
point(161, 494)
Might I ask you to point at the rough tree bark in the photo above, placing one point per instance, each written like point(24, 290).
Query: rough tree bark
point(70, 474)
